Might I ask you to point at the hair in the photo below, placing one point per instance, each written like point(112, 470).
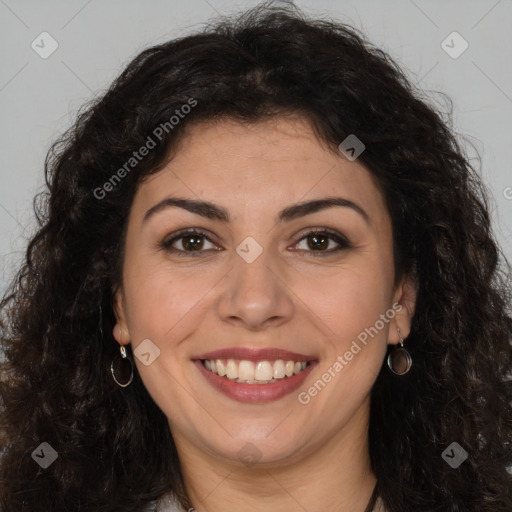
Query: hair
point(115, 449)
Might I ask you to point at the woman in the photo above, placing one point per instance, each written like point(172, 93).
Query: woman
point(264, 279)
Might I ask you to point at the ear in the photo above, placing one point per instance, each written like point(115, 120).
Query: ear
point(405, 300)
point(120, 331)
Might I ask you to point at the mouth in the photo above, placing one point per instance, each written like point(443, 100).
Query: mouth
point(255, 376)
point(259, 372)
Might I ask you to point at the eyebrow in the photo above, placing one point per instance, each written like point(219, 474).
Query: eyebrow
point(215, 212)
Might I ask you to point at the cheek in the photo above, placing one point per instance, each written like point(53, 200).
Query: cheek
point(356, 340)
point(162, 307)
point(157, 299)
point(350, 309)
point(349, 301)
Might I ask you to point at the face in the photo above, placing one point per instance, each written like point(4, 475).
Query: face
point(296, 303)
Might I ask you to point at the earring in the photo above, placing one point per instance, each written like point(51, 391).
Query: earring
point(119, 366)
point(399, 360)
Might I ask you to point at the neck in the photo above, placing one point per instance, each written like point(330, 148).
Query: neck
point(334, 475)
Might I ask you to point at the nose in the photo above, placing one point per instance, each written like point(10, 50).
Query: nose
point(256, 294)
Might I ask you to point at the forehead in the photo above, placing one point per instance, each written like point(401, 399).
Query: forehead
point(264, 165)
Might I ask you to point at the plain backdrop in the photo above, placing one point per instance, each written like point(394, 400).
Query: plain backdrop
point(39, 96)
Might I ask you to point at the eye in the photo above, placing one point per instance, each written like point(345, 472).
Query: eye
point(320, 239)
point(191, 241)
point(194, 241)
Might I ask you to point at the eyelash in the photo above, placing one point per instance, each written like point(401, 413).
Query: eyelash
point(341, 240)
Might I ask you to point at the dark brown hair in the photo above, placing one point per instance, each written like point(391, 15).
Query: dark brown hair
point(116, 452)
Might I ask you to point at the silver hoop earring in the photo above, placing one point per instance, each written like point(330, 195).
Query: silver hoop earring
point(123, 366)
point(399, 360)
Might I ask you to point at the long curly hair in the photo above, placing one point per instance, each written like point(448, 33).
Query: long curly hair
point(115, 449)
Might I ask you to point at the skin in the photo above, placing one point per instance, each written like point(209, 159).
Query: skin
point(314, 456)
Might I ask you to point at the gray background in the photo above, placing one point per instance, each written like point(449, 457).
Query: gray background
point(96, 39)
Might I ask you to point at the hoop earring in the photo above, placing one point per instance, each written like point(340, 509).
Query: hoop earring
point(120, 364)
point(399, 360)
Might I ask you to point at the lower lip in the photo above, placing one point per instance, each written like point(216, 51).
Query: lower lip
point(255, 393)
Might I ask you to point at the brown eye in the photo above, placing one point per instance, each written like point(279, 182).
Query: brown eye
point(192, 242)
point(322, 241)
point(318, 241)
point(186, 242)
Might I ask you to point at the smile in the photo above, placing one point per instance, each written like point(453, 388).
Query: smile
point(254, 375)
point(259, 372)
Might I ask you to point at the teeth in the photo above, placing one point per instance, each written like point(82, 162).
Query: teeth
point(262, 372)
point(232, 370)
point(245, 370)
point(279, 371)
point(221, 369)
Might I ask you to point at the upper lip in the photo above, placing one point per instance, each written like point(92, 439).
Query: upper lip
point(255, 354)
